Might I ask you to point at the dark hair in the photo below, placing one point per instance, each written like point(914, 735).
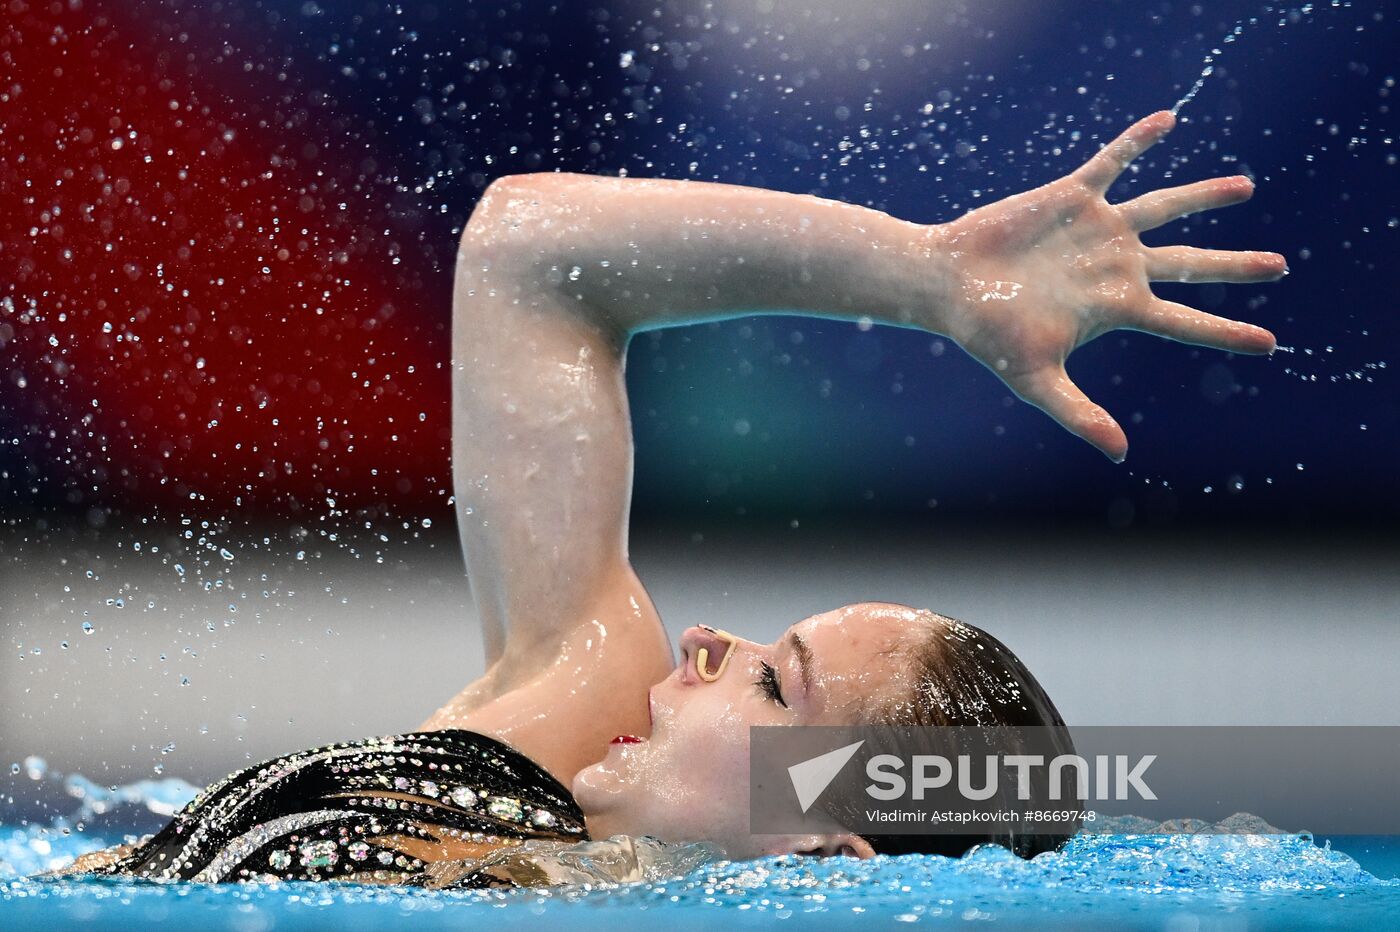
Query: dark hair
point(965, 678)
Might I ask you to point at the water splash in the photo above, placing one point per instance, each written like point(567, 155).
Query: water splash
point(1133, 880)
point(162, 797)
point(1285, 17)
point(1127, 872)
point(29, 847)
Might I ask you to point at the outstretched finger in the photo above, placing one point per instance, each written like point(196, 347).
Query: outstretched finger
point(1188, 325)
point(1052, 391)
point(1190, 264)
point(1159, 208)
point(1110, 161)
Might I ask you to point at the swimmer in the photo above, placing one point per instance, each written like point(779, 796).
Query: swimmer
point(584, 726)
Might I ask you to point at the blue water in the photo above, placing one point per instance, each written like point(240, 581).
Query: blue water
point(1118, 881)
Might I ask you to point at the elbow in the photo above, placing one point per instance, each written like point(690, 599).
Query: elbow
point(513, 206)
point(508, 187)
point(498, 213)
point(517, 221)
point(517, 213)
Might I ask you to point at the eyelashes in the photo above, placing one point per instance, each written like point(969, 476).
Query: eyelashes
point(767, 682)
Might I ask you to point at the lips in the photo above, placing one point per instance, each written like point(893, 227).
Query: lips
point(627, 739)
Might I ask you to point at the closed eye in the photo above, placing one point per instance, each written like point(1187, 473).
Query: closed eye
point(768, 683)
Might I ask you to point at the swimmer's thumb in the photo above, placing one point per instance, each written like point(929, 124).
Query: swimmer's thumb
point(1055, 393)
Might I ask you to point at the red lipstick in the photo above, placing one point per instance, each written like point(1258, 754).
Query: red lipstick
point(626, 739)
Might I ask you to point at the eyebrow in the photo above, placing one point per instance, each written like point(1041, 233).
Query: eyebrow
point(804, 660)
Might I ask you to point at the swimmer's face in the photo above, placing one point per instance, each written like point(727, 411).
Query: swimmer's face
point(689, 781)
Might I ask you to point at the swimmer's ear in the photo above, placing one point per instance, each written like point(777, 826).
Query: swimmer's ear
point(1104, 168)
point(845, 844)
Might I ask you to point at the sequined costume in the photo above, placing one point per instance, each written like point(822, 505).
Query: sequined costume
point(431, 809)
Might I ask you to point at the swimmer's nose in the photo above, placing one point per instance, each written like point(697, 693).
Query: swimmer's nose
point(705, 652)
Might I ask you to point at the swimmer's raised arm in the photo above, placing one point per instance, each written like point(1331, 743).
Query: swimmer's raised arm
point(1019, 283)
point(556, 271)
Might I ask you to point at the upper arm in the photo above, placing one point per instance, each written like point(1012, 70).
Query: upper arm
point(541, 441)
point(542, 477)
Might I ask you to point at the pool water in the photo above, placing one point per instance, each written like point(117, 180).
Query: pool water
point(1118, 881)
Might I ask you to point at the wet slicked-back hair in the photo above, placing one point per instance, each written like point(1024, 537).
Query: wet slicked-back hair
point(965, 678)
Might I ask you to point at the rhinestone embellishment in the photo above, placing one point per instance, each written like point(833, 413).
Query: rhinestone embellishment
point(504, 807)
point(319, 854)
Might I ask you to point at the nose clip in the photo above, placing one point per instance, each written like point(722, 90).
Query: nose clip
point(702, 656)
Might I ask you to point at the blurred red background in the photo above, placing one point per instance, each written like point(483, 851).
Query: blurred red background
point(203, 301)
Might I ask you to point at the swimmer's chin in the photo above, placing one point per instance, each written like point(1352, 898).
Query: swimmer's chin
point(583, 787)
point(600, 792)
point(596, 783)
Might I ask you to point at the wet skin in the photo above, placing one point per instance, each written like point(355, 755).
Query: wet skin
point(554, 275)
point(689, 779)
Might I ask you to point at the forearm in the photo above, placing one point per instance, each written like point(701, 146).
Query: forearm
point(640, 253)
point(542, 476)
point(542, 462)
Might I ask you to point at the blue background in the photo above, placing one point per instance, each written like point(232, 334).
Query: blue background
point(924, 110)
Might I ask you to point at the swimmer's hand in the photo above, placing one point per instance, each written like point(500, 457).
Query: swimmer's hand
point(1041, 273)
